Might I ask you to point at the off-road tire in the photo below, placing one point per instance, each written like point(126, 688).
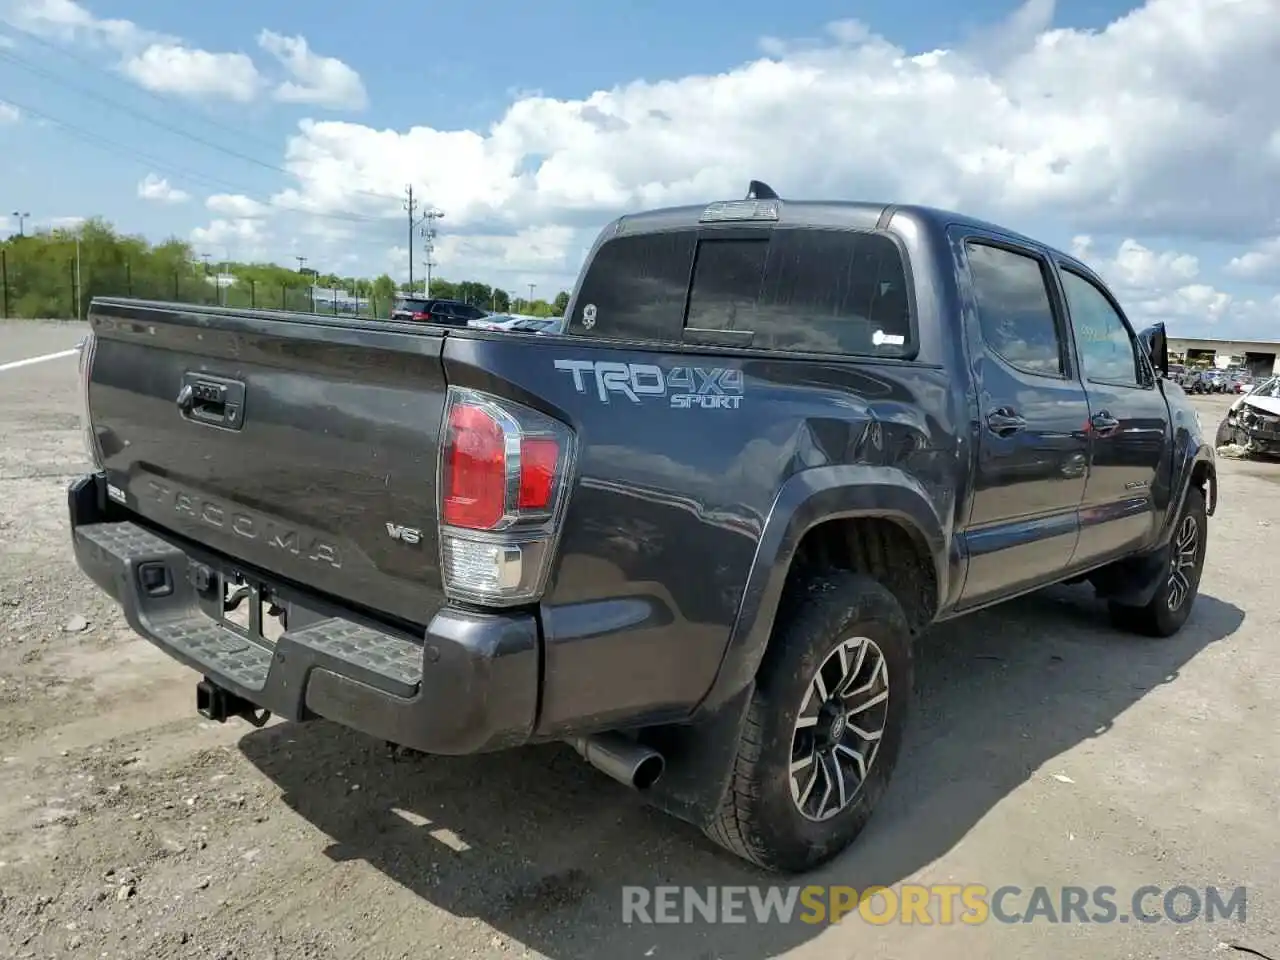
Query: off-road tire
point(1156, 619)
point(758, 819)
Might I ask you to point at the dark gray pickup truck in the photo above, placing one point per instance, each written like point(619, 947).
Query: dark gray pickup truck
point(694, 534)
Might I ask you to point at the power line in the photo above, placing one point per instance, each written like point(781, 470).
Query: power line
point(133, 153)
point(64, 53)
point(161, 124)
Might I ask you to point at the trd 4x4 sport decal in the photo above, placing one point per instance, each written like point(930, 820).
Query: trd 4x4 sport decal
point(685, 388)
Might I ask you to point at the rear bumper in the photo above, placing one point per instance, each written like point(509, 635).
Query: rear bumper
point(468, 684)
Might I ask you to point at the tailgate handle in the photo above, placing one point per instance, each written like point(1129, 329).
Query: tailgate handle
point(216, 401)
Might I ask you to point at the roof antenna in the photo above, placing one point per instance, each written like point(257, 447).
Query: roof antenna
point(759, 190)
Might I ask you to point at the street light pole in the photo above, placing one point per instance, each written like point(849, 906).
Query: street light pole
point(22, 219)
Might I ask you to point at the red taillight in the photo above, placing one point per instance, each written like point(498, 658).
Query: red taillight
point(505, 472)
point(422, 316)
point(538, 459)
point(475, 474)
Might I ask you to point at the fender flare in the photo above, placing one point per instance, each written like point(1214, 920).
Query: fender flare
point(807, 499)
point(1190, 456)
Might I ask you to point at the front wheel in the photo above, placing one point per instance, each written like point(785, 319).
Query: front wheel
point(1171, 605)
point(824, 726)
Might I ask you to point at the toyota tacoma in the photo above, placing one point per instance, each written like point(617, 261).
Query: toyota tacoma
point(695, 533)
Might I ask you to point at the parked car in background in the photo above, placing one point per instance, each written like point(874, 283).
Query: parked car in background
point(538, 324)
point(1197, 381)
point(494, 321)
point(519, 322)
point(449, 313)
point(1253, 421)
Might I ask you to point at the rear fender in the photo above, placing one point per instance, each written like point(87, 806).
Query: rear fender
point(806, 500)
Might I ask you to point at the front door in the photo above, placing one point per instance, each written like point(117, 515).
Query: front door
point(1032, 442)
point(1129, 425)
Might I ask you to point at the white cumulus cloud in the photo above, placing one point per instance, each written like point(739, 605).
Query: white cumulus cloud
point(317, 80)
point(232, 238)
point(157, 188)
point(1159, 123)
point(1260, 263)
point(173, 68)
point(236, 206)
point(9, 113)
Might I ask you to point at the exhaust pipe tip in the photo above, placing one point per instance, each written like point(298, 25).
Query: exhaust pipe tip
point(647, 771)
point(626, 761)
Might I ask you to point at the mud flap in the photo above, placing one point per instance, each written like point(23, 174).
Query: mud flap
point(699, 760)
point(1133, 582)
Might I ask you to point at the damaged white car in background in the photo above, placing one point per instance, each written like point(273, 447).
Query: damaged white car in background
point(1252, 425)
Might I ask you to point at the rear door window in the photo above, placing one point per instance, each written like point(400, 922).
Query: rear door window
point(1014, 310)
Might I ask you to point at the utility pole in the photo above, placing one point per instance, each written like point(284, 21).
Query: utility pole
point(302, 262)
point(79, 285)
point(411, 205)
point(429, 234)
point(531, 286)
point(22, 219)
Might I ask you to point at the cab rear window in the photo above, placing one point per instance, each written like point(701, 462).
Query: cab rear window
point(794, 289)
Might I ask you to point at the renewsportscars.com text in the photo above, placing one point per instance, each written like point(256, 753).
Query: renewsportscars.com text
point(940, 904)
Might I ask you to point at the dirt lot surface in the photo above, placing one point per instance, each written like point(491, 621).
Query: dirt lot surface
point(1046, 749)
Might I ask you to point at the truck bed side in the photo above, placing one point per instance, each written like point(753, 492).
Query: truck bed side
point(689, 462)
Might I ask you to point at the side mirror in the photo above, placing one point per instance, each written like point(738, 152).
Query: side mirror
point(1156, 346)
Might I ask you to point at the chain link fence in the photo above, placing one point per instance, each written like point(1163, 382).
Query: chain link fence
point(66, 292)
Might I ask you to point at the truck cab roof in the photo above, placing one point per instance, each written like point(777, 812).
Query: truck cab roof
point(828, 214)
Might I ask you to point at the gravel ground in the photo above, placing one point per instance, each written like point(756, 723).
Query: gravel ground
point(1046, 749)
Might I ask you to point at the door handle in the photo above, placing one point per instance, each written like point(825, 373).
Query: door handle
point(1103, 423)
point(1004, 422)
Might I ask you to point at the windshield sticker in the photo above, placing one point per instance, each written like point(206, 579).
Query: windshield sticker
point(685, 388)
point(589, 315)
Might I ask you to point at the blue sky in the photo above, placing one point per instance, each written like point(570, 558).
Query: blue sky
point(527, 125)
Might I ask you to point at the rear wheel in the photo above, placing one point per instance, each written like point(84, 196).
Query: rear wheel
point(1172, 603)
point(824, 727)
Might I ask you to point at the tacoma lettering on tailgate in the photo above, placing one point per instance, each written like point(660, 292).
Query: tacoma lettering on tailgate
point(243, 523)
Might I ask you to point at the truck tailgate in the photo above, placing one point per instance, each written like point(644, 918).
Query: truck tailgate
point(302, 446)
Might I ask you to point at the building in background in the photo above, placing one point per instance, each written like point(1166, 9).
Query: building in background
point(1258, 357)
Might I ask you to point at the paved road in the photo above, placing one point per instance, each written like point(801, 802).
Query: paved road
point(1046, 749)
point(20, 339)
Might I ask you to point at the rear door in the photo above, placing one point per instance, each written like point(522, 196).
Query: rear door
point(1128, 419)
point(1032, 443)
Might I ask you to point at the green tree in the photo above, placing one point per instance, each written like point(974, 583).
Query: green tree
point(561, 302)
point(56, 273)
